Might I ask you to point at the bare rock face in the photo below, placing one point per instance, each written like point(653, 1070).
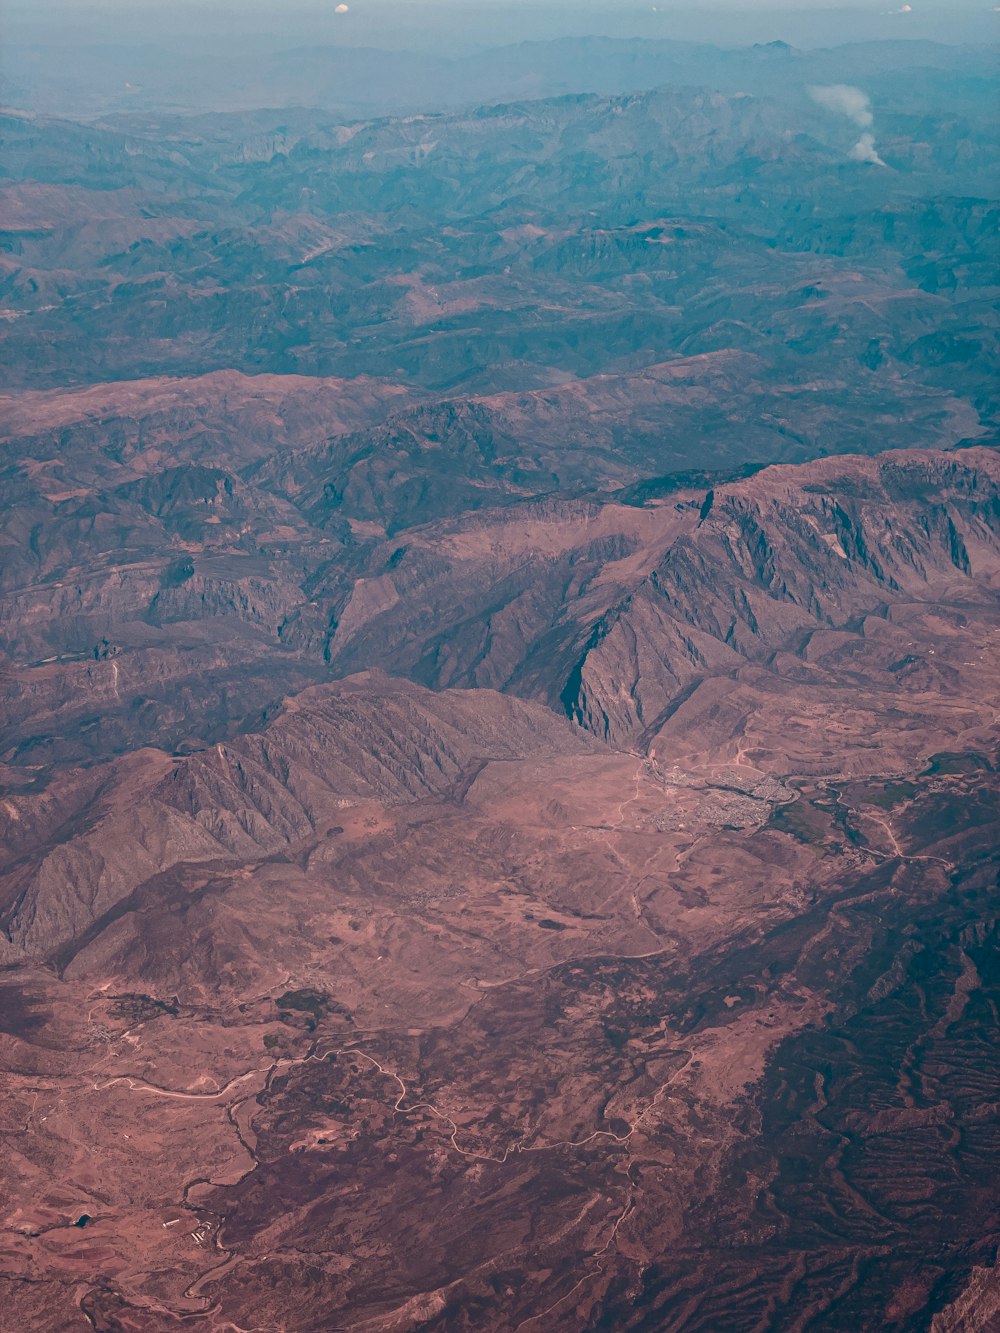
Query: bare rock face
point(776, 563)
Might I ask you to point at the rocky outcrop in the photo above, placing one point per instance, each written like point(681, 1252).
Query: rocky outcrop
point(367, 738)
point(782, 556)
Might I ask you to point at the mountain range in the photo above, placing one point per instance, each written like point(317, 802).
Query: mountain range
point(499, 613)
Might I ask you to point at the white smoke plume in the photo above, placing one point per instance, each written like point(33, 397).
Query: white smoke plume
point(843, 100)
point(846, 101)
point(864, 151)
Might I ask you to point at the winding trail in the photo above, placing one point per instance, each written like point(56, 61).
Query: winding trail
point(897, 850)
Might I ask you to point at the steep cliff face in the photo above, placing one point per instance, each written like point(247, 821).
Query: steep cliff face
point(777, 559)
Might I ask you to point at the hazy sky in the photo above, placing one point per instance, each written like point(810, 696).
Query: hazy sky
point(457, 24)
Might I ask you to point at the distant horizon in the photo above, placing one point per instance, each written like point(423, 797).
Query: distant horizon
point(75, 59)
point(455, 26)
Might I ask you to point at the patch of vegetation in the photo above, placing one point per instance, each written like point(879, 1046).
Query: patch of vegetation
point(547, 923)
point(800, 822)
point(271, 1040)
point(314, 1004)
point(304, 1001)
point(892, 794)
point(134, 1009)
point(178, 572)
point(949, 762)
point(656, 488)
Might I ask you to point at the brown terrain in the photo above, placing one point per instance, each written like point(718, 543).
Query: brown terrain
point(499, 624)
point(318, 1008)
